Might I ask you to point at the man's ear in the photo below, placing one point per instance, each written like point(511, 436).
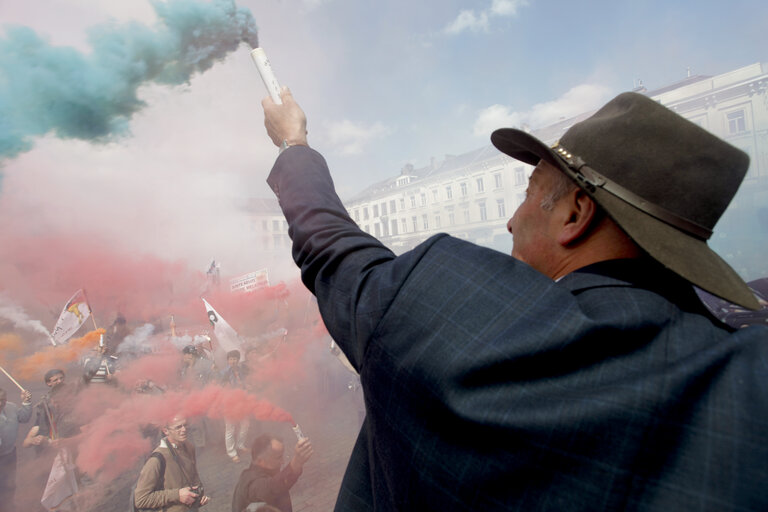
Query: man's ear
point(580, 214)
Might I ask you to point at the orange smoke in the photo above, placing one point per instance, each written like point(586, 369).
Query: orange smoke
point(34, 366)
point(10, 344)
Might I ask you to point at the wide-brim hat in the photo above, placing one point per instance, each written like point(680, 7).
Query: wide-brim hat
point(663, 179)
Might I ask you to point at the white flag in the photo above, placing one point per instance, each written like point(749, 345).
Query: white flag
point(62, 482)
point(227, 337)
point(75, 313)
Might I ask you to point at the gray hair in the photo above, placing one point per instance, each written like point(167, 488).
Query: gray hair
point(561, 186)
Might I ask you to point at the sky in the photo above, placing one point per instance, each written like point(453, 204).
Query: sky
point(162, 160)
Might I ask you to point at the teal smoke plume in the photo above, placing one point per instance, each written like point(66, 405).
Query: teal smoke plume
point(47, 89)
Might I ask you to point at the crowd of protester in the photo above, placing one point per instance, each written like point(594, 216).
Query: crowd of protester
point(52, 444)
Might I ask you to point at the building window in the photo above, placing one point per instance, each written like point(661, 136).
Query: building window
point(451, 219)
point(519, 176)
point(437, 221)
point(483, 213)
point(377, 229)
point(497, 180)
point(501, 208)
point(365, 213)
point(448, 192)
point(466, 216)
point(415, 226)
point(367, 228)
point(434, 195)
point(394, 227)
point(737, 122)
point(402, 204)
point(392, 208)
point(480, 185)
point(463, 187)
point(385, 228)
point(375, 211)
point(275, 225)
point(423, 199)
point(357, 215)
point(277, 241)
point(425, 221)
point(383, 209)
point(404, 224)
point(413, 201)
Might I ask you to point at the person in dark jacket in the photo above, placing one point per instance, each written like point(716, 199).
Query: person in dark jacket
point(581, 372)
point(263, 481)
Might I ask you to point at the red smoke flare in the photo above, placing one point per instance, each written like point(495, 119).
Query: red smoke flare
point(113, 443)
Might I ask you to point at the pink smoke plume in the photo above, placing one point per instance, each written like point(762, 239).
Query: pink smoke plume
point(159, 368)
point(113, 443)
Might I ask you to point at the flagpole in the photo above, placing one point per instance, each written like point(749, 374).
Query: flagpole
point(12, 379)
point(93, 317)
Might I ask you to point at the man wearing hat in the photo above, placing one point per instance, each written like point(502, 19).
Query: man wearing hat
point(579, 373)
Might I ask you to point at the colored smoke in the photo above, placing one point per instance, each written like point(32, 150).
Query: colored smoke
point(113, 442)
point(93, 96)
point(19, 317)
point(33, 367)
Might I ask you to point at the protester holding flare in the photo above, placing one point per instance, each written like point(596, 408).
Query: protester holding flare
point(99, 366)
point(579, 373)
point(264, 481)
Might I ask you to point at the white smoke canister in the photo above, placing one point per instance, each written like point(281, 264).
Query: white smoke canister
point(267, 75)
point(299, 434)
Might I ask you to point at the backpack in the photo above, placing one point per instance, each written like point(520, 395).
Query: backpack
point(158, 485)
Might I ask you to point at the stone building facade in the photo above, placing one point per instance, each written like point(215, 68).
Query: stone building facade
point(472, 195)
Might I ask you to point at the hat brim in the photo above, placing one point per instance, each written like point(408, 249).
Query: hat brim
point(686, 255)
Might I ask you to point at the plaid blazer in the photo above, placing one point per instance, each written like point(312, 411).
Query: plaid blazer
point(488, 386)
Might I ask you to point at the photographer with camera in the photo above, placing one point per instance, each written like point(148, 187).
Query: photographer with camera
point(169, 480)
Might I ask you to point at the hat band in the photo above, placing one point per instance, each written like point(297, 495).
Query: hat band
point(591, 180)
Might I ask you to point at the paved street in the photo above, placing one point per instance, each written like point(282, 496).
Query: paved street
point(329, 414)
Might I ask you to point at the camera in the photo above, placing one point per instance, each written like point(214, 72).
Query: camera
point(200, 491)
